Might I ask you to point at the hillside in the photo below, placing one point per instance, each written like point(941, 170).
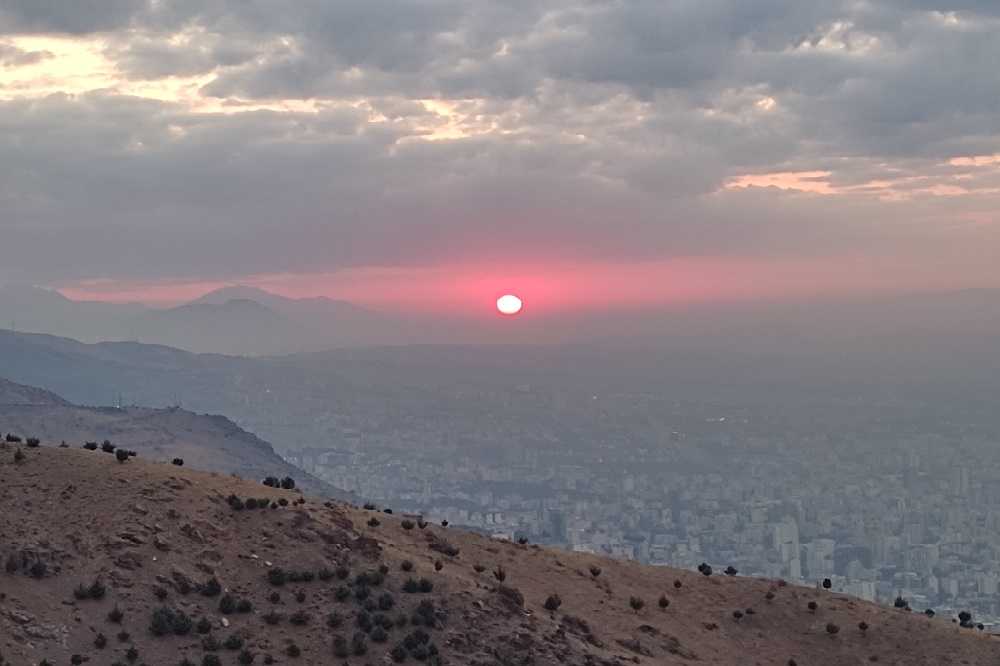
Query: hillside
point(212, 443)
point(143, 530)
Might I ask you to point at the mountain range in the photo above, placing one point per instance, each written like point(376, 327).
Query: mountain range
point(232, 320)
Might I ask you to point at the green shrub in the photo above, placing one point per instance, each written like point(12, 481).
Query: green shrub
point(227, 604)
point(233, 642)
point(340, 647)
point(211, 587)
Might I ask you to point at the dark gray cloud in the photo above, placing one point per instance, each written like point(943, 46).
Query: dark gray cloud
point(590, 128)
point(76, 17)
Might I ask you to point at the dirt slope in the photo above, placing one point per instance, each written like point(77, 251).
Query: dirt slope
point(140, 527)
point(207, 442)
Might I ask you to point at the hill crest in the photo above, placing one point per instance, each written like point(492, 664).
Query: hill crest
point(142, 531)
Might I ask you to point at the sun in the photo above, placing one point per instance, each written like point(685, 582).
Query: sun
point(509, 304)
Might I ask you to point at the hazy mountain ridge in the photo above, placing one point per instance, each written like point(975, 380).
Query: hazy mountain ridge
point(141, 537)
point(210, 442)
point(232, 320)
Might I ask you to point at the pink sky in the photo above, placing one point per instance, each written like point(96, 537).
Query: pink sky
point(471, 290)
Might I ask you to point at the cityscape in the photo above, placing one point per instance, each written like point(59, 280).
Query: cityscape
point(883, 509)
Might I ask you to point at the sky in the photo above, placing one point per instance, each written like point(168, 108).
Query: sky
point(433, 154)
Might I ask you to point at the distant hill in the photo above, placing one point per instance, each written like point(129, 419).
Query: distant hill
point(142, 562)
point(234, 320)
point(207, 442)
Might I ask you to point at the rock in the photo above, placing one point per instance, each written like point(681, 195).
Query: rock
point(224, 622)
point(161, 543)
point(192, 532)
point(20, 617)
point(129, 561)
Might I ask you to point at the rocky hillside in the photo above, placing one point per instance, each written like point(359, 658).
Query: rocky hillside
point(212, 443)
point(136, 562)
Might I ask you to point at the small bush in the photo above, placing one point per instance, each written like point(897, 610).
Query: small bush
point(664, 602)
point(177, 461)
point(373, 522)
point(406, 565)
point(233, 642)
point(636, 603)
point(386, 601)
point(246, 658)
point(299, 618)
point(426, 586)
point(108, 447)
point(595, 570)
point(553, 602)
point(293, 650)
point(38, 569)
point(340, 647)
point(203, 626)
point(342, 593)
point(91, 446)
point(132, 655)
point(211, 660)
point(334, 620)
point(211, 587)
point(32, 442)
point(379, 635)
point(227, 604)
point(170, 621)
point(678, 585)
point(438, 565)
point(288, 483)
point(12, 439)
point(812, 606)
point(277, 576)
point(121, 455)
point(407, 525)
point(478, 568)
point(359, 644)
point(324, 574)
point(19, 456)
point(272, 618)
point(100, 641)
point(832, 629)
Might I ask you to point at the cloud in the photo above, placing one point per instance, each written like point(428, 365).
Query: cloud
point(12, 56)
point(224, 138)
